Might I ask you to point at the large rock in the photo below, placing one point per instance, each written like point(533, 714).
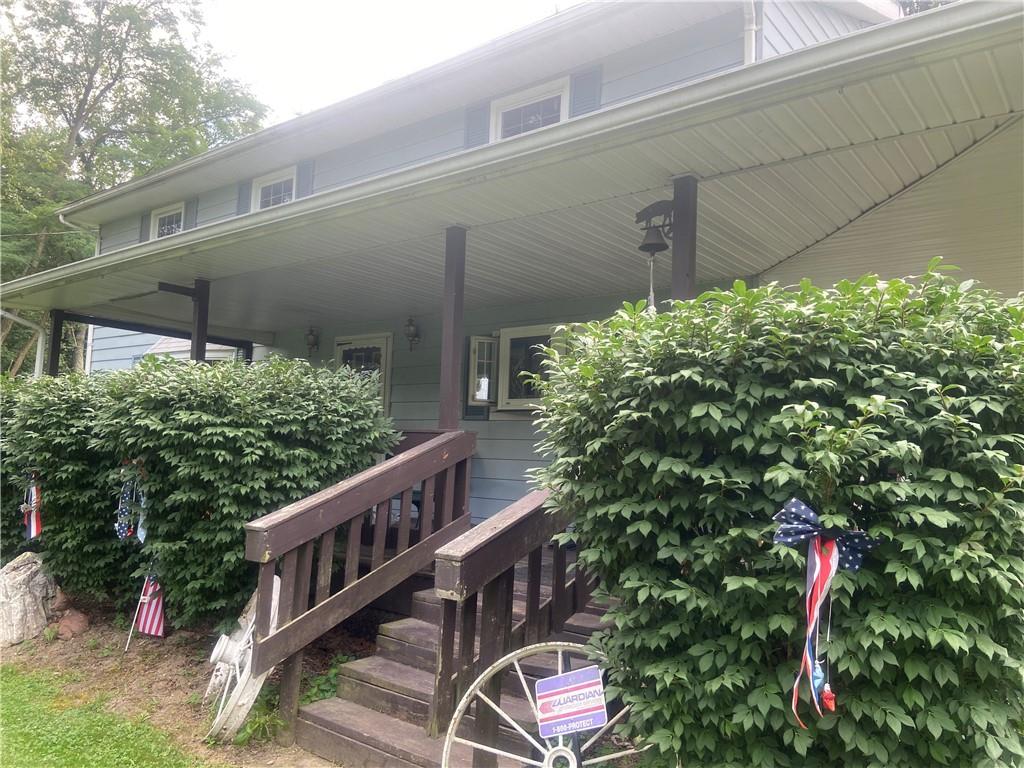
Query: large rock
point(26, 593)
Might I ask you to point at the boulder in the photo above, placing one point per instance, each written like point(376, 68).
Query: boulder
point(72, 623)
point(26, 594)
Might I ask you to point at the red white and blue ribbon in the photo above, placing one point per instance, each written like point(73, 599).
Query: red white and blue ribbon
point(828, 550)
point(32, 508)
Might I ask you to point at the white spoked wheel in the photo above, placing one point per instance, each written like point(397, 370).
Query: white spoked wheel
point(521, 743)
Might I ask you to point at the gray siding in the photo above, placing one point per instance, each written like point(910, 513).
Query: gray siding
point(670, 60)
point(217, 204)
point(505, 442)
point(114, 349)
point(431, 138)
point(118, 234)
point(787, 26)
point(674, 58)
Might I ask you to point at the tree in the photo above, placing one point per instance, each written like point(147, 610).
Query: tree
point(96, 92)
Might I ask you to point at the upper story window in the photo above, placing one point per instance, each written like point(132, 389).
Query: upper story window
point(167, 221)
point(529, 110)
point(273, 189)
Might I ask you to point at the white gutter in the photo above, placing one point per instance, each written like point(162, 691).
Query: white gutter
point(700, 102)
point(749, 32)
point(40, 339)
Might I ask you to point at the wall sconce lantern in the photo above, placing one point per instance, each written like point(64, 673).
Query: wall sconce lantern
point(312, 341)
point(656, 222)
point(412, 333)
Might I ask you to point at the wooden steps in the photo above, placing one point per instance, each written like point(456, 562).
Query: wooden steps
point(378, 717)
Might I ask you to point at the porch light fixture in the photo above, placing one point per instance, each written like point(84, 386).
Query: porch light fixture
point(312, 341)
point(656, 222)
point(412, 333)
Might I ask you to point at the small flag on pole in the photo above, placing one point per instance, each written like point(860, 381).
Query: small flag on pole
point(32, 508)
point(151, 609)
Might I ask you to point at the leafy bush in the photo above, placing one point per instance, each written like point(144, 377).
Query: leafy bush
point(896, 407)
point(218, 445)
point(51, 426)
point(12, 541)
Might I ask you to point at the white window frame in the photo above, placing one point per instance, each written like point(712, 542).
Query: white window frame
point(505, 336)
point(386, 342)
point(558, 87)
point(474, 344)
point(154, 218)
point(272, 178)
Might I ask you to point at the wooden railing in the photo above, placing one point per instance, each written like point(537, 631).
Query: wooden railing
point(435, 470)
point(475, 577)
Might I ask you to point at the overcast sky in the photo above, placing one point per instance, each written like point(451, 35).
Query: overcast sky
point(299, 55)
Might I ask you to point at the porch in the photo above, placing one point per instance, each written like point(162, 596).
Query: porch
point(861, 155)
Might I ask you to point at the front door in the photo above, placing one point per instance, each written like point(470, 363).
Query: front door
point(368, 353)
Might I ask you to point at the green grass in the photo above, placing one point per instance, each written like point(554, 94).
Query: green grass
point(39, 733)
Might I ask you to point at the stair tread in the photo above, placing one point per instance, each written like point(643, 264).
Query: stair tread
point(382, 732)
point(406, 741)
point(393, 675)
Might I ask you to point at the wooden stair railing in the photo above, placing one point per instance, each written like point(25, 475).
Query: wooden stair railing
point(475, 575)
point(284, 543)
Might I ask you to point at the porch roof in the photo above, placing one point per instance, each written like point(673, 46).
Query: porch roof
point(788, 151)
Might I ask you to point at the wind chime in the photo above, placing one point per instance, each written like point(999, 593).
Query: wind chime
point(828, 549)
point(32, 505)
point(130, 522)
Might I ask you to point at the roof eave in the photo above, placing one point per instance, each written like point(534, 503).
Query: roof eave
point(835, 60)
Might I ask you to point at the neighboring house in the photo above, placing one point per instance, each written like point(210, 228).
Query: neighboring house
point(819, 146)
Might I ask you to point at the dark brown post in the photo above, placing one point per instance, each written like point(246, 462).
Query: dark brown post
point(684, 237)
point(56, 334)
point(451, 327)
point(200, 319)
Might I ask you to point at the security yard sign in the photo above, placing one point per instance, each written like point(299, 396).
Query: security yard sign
point(571, 702)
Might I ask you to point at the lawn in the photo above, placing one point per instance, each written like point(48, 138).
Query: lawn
point(42, 729)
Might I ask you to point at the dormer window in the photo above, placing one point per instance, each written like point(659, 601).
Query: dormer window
point(529, 110)
point(167, 221)
point(273, 189)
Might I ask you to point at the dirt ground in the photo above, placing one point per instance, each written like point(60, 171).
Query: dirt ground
point(164, 680)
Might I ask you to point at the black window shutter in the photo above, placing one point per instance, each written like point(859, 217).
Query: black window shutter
point(191, 214)
point(478, 125)
point(144, 228)
point(304, 179)
point(244, 197)
point(585, 92)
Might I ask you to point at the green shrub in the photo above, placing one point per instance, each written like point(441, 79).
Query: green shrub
point(12, 528)
point(51, 427)
point(894, 406)
point(219, 445)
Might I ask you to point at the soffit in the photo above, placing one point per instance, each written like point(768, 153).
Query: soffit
point(775, 179)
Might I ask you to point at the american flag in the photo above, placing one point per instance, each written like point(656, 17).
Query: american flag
point(32, 509)
point(150, 619)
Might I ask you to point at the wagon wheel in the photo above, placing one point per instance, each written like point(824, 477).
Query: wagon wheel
point(522, 742)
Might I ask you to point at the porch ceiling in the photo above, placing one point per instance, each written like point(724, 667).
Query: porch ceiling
point(781, 168)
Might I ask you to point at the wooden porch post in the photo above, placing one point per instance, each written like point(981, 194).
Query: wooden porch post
point(451, 327)
point(56, 332)
point(200, 319)
point(684, 237)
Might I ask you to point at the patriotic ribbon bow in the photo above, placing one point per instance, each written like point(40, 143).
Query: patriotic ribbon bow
point(828, 549)
point(32, 506)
